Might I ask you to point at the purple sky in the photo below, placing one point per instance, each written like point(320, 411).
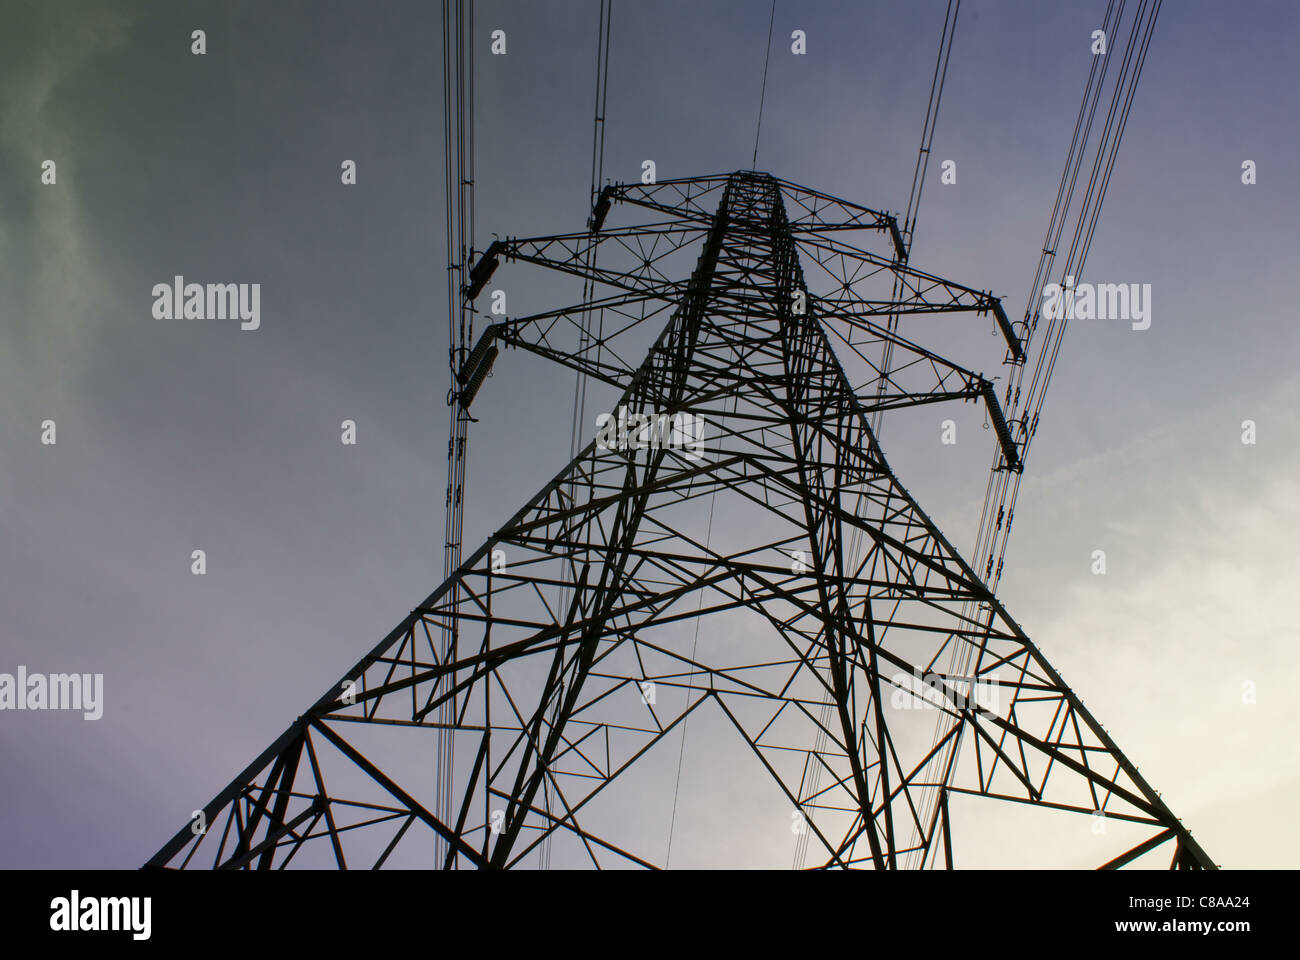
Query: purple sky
point(175, 435)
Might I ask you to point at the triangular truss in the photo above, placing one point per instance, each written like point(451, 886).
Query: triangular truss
point(768, 570)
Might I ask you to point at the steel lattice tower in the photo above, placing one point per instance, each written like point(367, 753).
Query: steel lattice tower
point(784, 582)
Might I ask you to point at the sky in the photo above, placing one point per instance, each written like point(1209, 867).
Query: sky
point(182, 434)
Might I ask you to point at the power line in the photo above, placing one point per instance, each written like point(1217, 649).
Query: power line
point(1003, 488)
point(762, 94)
point(937, 81)
point(458, 166)
point(600, 106)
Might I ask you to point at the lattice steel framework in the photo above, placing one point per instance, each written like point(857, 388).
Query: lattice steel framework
point(824, 601)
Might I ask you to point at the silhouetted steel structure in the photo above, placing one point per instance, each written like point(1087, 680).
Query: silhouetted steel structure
point(574, 659)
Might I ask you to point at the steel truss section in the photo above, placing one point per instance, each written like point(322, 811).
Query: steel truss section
point(827, 597)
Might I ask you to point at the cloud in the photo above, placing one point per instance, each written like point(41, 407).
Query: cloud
point(1186, 650)
point(44, 240)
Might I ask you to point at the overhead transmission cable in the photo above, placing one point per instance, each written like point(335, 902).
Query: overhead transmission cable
point(762, 93)
point(1024, 407)
point(586, 341)
point(908, 226)
point(458, 166)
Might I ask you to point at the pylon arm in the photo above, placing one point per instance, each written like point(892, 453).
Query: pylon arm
point(897, 401)
point(898, 388)
point(850, 268)
point(557, 334)
point(588, 362)
point(808, 211)
point(574, 253)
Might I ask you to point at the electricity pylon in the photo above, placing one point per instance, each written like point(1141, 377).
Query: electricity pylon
point(767, 572)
